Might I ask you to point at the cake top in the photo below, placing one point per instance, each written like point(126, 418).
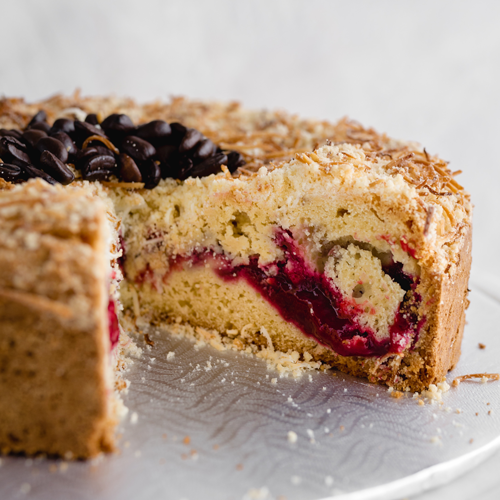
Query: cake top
point(274, 140)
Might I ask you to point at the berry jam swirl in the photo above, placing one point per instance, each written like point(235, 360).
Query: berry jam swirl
point(309, 300)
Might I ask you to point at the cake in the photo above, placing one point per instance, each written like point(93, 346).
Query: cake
point(301, 241)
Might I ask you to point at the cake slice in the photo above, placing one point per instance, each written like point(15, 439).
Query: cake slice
point(57, 322)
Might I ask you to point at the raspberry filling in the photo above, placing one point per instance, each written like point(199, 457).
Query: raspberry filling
point(114, 330)
point(308, 299)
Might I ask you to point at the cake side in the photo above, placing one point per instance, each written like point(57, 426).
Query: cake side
point(56, 380)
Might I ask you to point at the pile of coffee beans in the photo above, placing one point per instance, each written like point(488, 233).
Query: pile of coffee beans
point(116, 147)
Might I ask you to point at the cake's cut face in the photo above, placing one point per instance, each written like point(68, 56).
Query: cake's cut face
point(331, 243)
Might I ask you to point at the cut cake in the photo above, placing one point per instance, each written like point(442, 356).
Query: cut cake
point(333, 245)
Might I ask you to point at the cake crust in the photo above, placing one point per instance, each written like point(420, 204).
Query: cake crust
point(55, 379)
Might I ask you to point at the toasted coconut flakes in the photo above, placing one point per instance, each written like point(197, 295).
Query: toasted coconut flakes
point(484, 377)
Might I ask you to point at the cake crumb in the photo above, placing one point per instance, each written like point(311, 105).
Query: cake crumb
point(310, 433)
point(164, 435)
point(342, 427)
point(25, 488)
point(170, 355)
point(396, 394)
point(292, 437)
point(186, 440)
point(63, 467)
point(481, 346)
point(274, 381)
point(436, 440)
point(421, 402)
point(215, 447)
point(134, 418)
point(239, 467)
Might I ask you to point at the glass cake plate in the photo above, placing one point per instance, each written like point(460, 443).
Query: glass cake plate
point(215, 425)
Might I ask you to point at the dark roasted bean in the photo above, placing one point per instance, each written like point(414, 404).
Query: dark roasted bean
point(54, 146)
point(53, 166)
point(63, 125)
point(11, 173)
point(117, 125)
point(67, 142)
point(84, 130)
point(99, 162)
point(97, 175)
point(165, 153)
point(40, 126)
point(129, 171)
point(203, 150)
point(137, 148)
point(41, 116)
point(30, 172)
point(11, 133)
point(151, 173)
point(180, 168)
point(32, 136)
point(234, 160)
point(83, 155)
point(92, 119)
point(14, 151)
point(190, 139)
point(178, 130)
point(154, 132)
point(209, 166)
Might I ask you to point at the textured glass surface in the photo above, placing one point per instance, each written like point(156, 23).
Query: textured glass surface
point(214, 425)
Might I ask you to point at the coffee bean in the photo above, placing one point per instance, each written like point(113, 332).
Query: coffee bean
point(235, 160)
point(84, 155)
point(92, 119)
point(40, 117)
point(63, 125)
point(117, 125)
point(11, 173)
point(40, 126)
point(178, 129)
point(151, 173)
point(32, 136)
point(14, 151)
point(53, 166)
point(31, 172)
point(129, 171)
point(84, 130)
point(54, 146)
point(203, 150)
point(177, 167)
point(11, 133)
point(190, 139)
point(154, 132)
point(209, 166)
point(97, 175)
point(165, 153)
point(67, 142)
point(98, 163)
point(137, 148)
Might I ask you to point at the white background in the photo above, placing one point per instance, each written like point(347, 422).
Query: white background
point(423, 70)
